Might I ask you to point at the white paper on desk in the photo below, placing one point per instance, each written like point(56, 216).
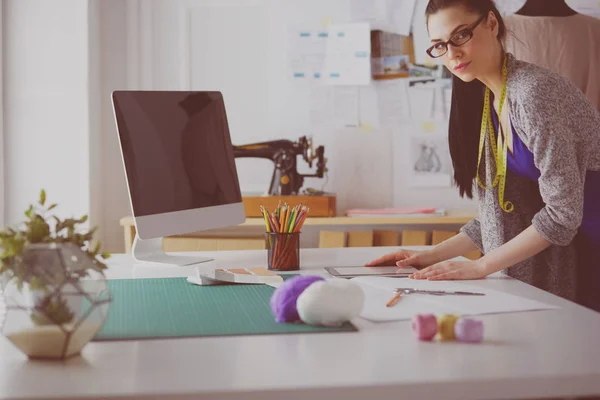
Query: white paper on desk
point(379, 290)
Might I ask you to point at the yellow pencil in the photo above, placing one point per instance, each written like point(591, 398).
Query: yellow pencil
point(264, 213)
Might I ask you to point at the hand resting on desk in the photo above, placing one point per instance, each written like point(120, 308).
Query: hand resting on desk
point(404, 258)
point(429, 266)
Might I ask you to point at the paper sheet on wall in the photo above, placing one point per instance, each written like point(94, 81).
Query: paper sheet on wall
point(348, 55)
point(430, 98)
point(401, 15)
point(389, 15)
point(421, 37)
point(364, 10)
point(321, 105)
point(422, 100)
point(334, 106)
point(430, 163)
point(392, 102)
point(346, 105)
point(306, 53)
point(379, 290)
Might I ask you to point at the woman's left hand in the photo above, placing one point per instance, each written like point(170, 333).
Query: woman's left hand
point(451, 270)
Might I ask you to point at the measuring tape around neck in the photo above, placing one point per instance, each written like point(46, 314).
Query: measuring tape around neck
point(501, 148)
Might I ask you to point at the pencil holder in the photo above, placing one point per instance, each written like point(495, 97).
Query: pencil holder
point(283, 251)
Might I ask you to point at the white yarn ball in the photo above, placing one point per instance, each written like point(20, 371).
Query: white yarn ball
point(330, 302)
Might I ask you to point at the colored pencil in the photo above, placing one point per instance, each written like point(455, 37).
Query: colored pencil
point(286, 220)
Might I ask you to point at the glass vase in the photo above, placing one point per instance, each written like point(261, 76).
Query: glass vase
point(61, 305)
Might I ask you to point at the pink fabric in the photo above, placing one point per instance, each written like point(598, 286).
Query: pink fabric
point(565, 45)
point(398, 210)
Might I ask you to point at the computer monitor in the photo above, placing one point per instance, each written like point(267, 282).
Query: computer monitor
point(179, 166)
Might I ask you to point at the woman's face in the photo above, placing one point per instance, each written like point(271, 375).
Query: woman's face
point(476, 55)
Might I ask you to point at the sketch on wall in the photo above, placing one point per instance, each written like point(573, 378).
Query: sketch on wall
point(430, 161)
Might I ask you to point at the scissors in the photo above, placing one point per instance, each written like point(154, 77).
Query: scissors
point(437, 292)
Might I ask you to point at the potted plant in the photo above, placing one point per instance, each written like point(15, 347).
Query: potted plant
point(55, 293)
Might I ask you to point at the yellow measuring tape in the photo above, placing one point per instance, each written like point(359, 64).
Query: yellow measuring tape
point(501, 148)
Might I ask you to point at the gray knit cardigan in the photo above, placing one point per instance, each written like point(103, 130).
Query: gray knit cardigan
point(561, 128)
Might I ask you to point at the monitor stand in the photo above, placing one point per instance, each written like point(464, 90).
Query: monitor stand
point(150, 250)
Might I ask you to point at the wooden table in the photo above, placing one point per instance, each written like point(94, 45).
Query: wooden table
point(249, 235)
point(550, 353)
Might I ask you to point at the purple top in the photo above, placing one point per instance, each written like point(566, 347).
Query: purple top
point(520, 161)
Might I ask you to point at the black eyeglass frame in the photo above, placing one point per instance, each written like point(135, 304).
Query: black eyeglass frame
point(468, 29)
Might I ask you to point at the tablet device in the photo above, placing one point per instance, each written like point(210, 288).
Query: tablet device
point(352, 272)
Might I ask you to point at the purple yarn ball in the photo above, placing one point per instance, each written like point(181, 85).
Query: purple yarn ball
point(283, 301)
point(468, 330)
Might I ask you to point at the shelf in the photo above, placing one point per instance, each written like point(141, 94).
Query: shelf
point(458, 217)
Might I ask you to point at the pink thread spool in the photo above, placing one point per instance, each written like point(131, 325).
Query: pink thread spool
point(425, 326)
point(468, 330)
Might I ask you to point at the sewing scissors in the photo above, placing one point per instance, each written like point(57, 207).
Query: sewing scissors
point(436, 292)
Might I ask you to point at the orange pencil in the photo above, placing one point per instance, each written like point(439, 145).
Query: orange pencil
point(300, 223)
point(275, 222)
point(286, 214)
point(394, 299)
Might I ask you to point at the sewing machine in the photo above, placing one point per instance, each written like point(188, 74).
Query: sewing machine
point(286, 180)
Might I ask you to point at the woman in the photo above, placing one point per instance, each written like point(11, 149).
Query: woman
point(533, 152)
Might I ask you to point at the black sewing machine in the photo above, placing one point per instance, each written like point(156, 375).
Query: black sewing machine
point(286, 180)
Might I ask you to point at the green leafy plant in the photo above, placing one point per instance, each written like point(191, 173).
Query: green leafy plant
point(39, 228)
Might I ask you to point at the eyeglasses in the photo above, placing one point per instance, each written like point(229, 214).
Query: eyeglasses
point(458, 39)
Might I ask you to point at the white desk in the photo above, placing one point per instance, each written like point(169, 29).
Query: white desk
point(525, 355)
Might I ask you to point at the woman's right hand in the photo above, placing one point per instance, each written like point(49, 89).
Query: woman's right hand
point(405, 258)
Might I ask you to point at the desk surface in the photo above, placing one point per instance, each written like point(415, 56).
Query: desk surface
point(533, 354)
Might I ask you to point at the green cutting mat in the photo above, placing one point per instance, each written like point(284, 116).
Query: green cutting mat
point(173, 307)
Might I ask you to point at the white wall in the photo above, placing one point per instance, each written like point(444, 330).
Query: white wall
point(2, 158)
point(46, 101)
point(240, 48)
point(62, 59)
point(118, 65)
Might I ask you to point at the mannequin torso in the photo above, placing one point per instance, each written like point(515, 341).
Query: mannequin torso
point(551, 8)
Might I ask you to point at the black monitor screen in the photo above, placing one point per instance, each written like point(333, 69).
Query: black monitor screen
point(177, 150)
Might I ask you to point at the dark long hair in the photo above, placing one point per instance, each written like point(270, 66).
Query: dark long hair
point(467, 103)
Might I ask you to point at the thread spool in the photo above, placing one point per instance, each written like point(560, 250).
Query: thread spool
point(468, 330)
point(425, 326)
point(446, 324)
